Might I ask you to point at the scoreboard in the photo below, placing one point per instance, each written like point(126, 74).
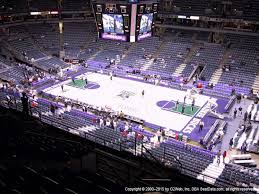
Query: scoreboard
point(125, 21)
point(146, 14)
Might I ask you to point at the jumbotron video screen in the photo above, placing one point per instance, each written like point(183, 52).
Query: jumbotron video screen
point(146, 23)
point(113, 23)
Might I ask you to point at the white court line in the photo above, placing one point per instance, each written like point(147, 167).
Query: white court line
point(92, 86)
point(163, 107)
point(137, 106)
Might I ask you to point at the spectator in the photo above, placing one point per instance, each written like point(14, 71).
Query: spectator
point(8, 99)
point(181, 86)
point(159, 135)
point(231, 142)
point(126, 127)
point(250, 116)
point(115, 124)
point(251, 92)
point(141, 128)
point(25, 103)
point(239, 98)
point(233, 92)
point(130, 128)
point(101, 122)
point(194, 80)
point(52, 109)
point(145, 139)
point(108, 122)
point(210, 146)
point(218, 157)
point(163, 135)
point(243, 148)
point(245, 116)
point(224, 156)
point(201, 141)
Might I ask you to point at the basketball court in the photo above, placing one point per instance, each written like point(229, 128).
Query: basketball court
point(157, 106)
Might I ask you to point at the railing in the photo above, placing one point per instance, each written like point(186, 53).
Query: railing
point(230, 103)
point(183, 169)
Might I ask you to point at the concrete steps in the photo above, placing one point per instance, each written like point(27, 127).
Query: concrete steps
point(193, 50)
point(216, 76)
point(128, 51)
point(179, 69)
point(87, 128)
point(147, 65)
point(212, 172)
point(256, 83)
point(94, 55)
point(151, 62)
point(225, 58)
point(194, 37)
point(138, 148)
point(218, 73)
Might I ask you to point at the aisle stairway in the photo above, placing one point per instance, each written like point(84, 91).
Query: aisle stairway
point(256, 83)
point(226, 57)
point(216, 76)
point(94, 55)
point(187, 60)
point(180, 69)
point(87, 128)
point(150, 62)
point(218, 73)
point(125, 54)
point(213, 170)
point(148, 65)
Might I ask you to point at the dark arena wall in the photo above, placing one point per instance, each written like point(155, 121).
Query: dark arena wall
point(145, 96)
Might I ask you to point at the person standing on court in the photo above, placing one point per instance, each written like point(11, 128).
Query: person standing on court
point(235, 113)
point(184, 99)
point(183, 109)
point(177, 104)
point(193, 101)
point(110, 75)
point(201, 126)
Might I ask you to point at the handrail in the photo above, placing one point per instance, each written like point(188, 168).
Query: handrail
point(176, 159)
point(150, 154)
